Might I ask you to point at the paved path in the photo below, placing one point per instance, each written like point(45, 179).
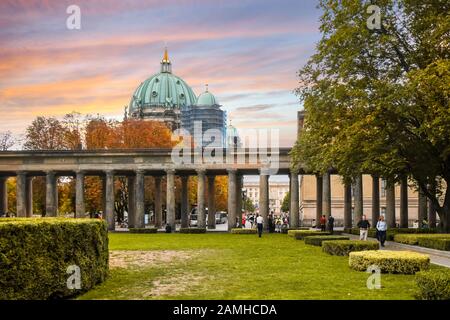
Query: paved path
point(438, 257)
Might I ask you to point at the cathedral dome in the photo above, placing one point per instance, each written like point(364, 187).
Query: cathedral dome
point(207, 99)
point(163, 89)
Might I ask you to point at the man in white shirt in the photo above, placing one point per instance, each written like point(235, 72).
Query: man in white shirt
point(259, 224)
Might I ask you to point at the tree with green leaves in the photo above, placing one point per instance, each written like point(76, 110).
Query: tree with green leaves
point(377, 99)
point(285, 203)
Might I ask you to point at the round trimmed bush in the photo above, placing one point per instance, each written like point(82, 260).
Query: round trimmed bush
point(243, 231)
point(142, 230)
point(433, 284)
point(406, 262)
point(317, 240)
point(344, 247)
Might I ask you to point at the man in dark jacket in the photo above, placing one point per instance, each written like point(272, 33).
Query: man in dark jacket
point(363, 226)
point(331, 224)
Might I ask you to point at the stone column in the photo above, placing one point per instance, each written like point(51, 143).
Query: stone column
point(170, 197)
point(103, 195)
point(239, 185)
point(211, 202)
point(201, 211)
point(79, 195)
point(290, 192)
point(109, 200)
point(3, 196)
point(422, 207)
point(375, 199)
point(21, 197)
point(264, 196)
point(50, 195)
point(158, 203)
point(404, 203)
point(29, 195)
point(294, 200)
point(347, 205)
point(139, 194)
point(232, 199)
point(319, 188)
point(131, 186)
point(390, 205)
point(359, 204)
point(326, 206)
point(184, 201)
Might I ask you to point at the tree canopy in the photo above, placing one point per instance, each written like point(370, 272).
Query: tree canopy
point(377, 99)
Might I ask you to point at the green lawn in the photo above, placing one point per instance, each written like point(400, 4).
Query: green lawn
point(226, 266)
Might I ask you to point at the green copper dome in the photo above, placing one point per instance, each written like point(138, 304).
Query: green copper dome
point(207, 99)
point(163, 89)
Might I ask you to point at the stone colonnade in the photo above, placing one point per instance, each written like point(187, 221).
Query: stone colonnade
point(206, 182)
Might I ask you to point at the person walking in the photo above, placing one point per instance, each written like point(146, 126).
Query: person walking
point(330, 224)
point(363, 226)
point(323, 222)
point(259, 223)
point(381, 230)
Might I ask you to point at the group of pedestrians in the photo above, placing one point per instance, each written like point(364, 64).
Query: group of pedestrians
point(363, 225)
point(326, 224)
point(381, 229)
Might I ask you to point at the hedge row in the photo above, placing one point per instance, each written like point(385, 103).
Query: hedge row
point(440, 241)
point(433, 285)
point(391, 232)
point(300, 234)
point(317, 240)
point(193, 230)
point(243, 231)
point(435, 243)
point(143, 230)
point(344, 247)
point(406, 262)
point(286, 230)
point(39, 255)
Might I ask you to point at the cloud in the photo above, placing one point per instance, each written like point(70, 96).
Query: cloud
point(248, 51)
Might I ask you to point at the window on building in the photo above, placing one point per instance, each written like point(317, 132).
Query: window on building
point(383, 187)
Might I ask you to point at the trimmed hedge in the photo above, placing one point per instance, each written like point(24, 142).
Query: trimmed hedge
point(433, 285)
point(286, 230)
point(35, 254)
point(243, 231)
point(300, 234)
point(317, 240)
point(414, 238)
point(435, 243)
point(406, 262)
point(193, 230)
point(143, 230)
point(344, 247)
point(391, 232)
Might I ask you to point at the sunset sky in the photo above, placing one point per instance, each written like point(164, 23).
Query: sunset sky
point(248, 51)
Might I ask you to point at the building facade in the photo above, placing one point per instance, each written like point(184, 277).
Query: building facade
point(277, 192)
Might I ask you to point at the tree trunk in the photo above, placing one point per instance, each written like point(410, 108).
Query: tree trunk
point(444, 211)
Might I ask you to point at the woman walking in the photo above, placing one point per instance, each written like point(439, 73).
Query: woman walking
point(381, 230)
